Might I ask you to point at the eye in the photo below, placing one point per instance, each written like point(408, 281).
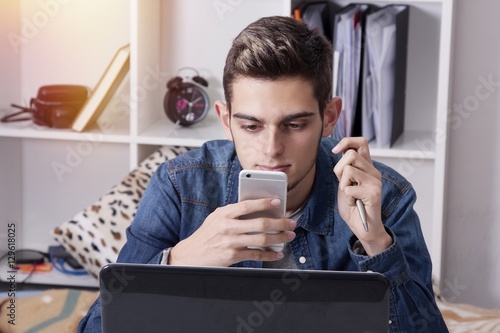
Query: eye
point(249, 128)
point(295, 126)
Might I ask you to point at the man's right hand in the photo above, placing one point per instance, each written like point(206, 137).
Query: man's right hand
point(223, 238)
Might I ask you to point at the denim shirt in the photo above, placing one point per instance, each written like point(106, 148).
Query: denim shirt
point(185, 190)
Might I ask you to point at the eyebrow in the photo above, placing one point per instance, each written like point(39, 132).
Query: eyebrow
point(283, 120)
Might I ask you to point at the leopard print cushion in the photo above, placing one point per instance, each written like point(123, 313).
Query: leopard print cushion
point(95, 235)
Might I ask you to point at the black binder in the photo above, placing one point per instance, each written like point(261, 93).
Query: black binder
point(398, 117)
point(388, 124)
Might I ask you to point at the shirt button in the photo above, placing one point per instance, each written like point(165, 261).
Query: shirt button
point(302, 260)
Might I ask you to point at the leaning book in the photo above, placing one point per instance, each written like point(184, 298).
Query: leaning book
point(104, 90)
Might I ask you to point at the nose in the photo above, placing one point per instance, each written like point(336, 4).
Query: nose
point(272, 142)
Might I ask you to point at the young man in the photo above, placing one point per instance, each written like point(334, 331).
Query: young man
point(278, 115)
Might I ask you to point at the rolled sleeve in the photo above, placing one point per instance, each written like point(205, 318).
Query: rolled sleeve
point(391, 262)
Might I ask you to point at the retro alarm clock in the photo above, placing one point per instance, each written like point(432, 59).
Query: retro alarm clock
point(186, 101)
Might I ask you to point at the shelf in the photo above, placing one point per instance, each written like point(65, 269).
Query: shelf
point(410, 145)
point(164, 132)
point(118, 133)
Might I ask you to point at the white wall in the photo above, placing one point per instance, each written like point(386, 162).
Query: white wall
point(472, 229)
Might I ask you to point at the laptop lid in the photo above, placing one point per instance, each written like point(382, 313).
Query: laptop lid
point(156, 298)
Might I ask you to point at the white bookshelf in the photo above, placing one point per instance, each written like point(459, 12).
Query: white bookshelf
point(165, 35)
point(420, 153)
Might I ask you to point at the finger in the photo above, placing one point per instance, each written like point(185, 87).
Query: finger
point(265, 224)
point(350, 176)
point(347, 159)
point(368, 193)
point(359, 144)
point(260, 255)
point(251, 206)
point(356, 184)
point(352, 158)
point(267, 239)
point(348, 184)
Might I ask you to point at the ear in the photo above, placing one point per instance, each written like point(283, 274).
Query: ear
point(222, 111)
point(331, 115)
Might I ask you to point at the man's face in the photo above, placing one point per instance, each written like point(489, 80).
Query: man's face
point(276, 125)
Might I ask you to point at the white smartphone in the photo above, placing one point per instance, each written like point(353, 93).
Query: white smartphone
point(257, 184)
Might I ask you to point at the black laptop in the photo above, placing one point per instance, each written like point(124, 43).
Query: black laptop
point(153, 298)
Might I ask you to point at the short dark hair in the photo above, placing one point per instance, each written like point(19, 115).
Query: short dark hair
point(279, 47)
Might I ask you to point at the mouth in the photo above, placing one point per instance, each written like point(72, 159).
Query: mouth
point(281, 168)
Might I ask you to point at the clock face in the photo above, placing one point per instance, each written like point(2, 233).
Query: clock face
point(188, 104)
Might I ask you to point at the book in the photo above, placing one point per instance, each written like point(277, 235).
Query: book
point(104, 90)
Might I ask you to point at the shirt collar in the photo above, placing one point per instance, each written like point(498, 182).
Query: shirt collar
point(320, 210)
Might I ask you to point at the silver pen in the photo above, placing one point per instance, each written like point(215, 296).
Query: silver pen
point(362, 213)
